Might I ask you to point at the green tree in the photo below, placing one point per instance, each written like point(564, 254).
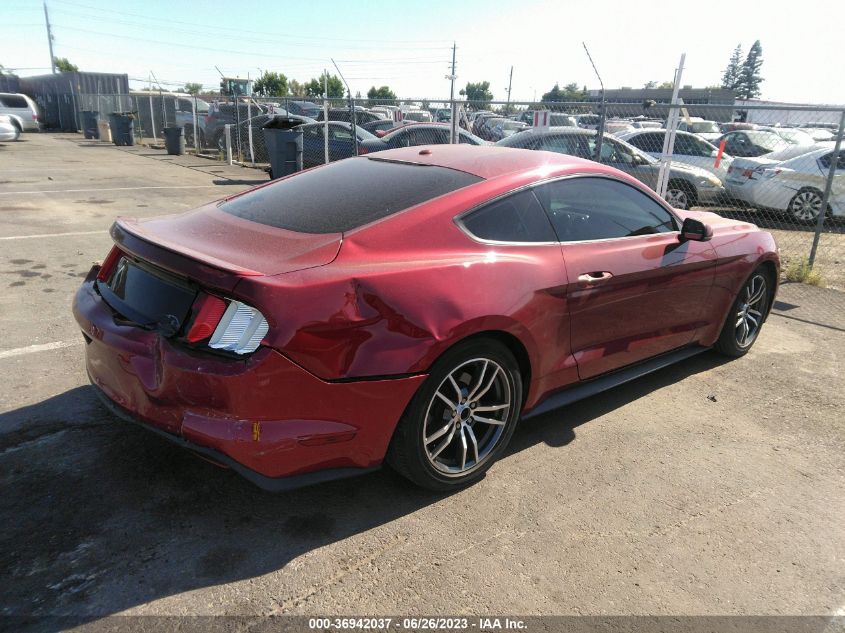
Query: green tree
point(570, 92)
point(666, 85)
point(650, 84)
point(192, 88)
point(750, 79)
point(381, 96)
point(296, 89)
point(478, 94)
point(64, 66)
point(271, 84)
point(314, 88)
point(730, 78)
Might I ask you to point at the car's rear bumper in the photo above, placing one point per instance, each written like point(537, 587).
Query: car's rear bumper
point(263, 415)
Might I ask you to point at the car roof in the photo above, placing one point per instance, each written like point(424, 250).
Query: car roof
point(484, 161)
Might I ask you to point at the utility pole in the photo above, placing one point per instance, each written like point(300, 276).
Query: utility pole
point(510, 83)
point(49, 39)
point(453, 135)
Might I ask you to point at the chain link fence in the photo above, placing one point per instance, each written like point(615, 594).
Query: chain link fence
point(780, 167)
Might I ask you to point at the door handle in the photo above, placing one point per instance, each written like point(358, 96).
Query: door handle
point(595, 277)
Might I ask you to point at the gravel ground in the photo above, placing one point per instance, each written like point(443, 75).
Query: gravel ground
point(708, 488)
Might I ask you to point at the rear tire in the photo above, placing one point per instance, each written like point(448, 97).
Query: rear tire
point(748, 312)
point(806, 205)
point(461, 419)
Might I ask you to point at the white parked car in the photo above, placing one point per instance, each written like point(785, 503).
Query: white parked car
point(689, 149)
point(8, 130)
point(708, 130)
point(793, 135)
point(21, 110)
point(794, 185)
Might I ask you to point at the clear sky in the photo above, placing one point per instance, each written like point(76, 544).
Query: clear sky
point(407, 44)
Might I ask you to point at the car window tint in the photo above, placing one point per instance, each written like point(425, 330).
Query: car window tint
point(14, 101)
point(644, 141)
point(612, 152)
point(340, 134)
point(592, 208)
point(342, 196)
point(562, 144)
point(516, 218)
point(825, 160)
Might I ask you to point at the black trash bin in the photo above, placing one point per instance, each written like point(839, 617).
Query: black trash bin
point(284, 146)
point(122, 128)
point(89, 124)
point(174, 140)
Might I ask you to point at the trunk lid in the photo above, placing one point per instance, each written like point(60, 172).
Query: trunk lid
point(232, 244)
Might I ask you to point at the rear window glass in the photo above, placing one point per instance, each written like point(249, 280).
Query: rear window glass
point(14, 101)
point(344, 195)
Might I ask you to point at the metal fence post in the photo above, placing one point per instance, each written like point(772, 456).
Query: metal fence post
point(195, 124)
point(834, 163)
point(249, 130)
point(228, 131)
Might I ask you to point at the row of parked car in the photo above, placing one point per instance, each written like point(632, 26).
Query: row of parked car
point(768, 167)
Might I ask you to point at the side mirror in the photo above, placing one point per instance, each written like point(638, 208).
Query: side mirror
point(695, 231)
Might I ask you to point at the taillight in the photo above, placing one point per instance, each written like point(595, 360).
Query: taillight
point(363, 149)
point(240, 330)
point(108, 265)
point(209, 311)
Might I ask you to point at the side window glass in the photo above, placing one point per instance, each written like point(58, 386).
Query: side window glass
point(340, 134)
point(517, 218)
point(560, 144)
point(591, 208)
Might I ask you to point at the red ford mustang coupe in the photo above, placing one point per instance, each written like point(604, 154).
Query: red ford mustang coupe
point(408, 307)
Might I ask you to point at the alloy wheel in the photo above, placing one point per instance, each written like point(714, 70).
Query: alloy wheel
point(806, 206)
point(677, 198)
point(749, 316)
point(466, 417)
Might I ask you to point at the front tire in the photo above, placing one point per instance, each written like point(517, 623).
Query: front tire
point(461, 419)
point(749, 310)
point(680, 195)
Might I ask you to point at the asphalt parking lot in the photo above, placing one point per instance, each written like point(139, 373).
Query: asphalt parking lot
point(710, 487)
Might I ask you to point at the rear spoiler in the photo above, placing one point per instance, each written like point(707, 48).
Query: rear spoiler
point(130, 237)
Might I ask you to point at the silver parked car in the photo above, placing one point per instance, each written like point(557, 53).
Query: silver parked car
point(8, 131)
point(689, 149)
point(21, 110)
point(687, 185)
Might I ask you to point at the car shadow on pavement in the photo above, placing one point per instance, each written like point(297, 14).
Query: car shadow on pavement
point(100, 516)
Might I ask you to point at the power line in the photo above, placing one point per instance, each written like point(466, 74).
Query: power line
point(252, 32)
point(208, 33)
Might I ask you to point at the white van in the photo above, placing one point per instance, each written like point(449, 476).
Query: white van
point(21, 110)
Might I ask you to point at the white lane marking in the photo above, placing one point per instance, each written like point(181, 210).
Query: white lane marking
point(32, 349)
point(20, 193)
point(29, 237)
